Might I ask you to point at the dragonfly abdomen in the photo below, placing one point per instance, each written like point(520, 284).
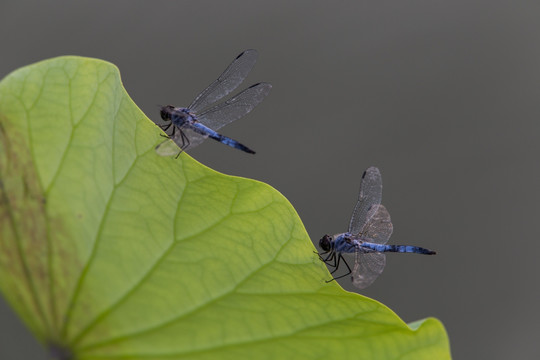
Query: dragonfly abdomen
point(205, 131)
point(397, 248)
point(233, 143)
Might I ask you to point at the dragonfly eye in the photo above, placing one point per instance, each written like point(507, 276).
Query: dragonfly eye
point(326, 243)
point(166, 112)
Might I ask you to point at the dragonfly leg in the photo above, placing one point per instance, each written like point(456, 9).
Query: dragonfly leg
point(348, 267)
point(319, 254)
point(329, 258)
point(165, 127)
point(185, 142)
point(336, 263)
point(167, 136)
point(332, 257)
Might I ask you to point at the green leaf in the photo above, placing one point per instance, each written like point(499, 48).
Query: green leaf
point(108, 250)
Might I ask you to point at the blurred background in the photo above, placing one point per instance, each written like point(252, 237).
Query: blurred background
point(442, 96)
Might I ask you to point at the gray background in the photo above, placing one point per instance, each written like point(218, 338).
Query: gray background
point(442, 96)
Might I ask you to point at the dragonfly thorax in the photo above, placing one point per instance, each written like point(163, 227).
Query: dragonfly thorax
point(346, 242)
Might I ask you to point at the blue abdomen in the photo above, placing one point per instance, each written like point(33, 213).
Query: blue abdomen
point(203, 130)
point(397, 248)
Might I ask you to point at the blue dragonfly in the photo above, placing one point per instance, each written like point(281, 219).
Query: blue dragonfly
point(369, 230)
point(199, 121)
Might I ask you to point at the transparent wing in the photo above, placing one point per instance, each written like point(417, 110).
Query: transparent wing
point(173, 146)
point(167, 148)
point(234, 108)
point(194, 138)
point(370, 194)
point(378, 228)
point(227, 81)
point(367, 267)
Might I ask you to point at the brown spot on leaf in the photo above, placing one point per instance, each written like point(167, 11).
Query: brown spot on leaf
point(24, 248)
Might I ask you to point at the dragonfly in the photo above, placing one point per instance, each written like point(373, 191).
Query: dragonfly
point(200, 120)
point(370, 228)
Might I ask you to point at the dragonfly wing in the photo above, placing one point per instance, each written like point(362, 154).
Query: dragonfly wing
point(227, 81)
point(178, 143)
point(234, 108)
point(193, 137)
point(367, 267)
point(378, 228)
point(370, 195)
point(167, 148)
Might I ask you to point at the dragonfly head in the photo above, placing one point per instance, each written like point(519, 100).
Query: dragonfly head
point(326, 242)
point(166, 112)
